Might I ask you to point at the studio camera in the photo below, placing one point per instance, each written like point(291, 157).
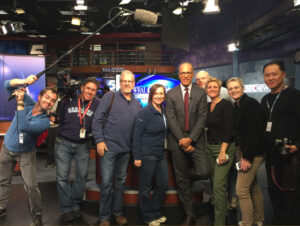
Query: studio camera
point(70, 85)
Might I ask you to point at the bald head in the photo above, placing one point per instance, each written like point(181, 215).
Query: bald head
point(201, 78)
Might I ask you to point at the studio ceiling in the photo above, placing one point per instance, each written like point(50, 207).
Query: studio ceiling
point(280, 21)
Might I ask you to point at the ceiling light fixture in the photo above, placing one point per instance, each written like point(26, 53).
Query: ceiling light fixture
point(4, 30)
point(232, 47)
point(80, 2)
point(12, 27)
point(76, 21)
point(182, 8)
point(178, 11)
point(296, 3)
point(19, 11)
point(2, 12)
point(124, 2)
point(211, 6)
point(80, 7)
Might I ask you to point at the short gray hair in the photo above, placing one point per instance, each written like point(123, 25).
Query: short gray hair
point(235, 79)
point(127, 72)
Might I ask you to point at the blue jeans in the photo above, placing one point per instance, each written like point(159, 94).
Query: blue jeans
point(156, 166)
point(70, 195)
point(113, 166)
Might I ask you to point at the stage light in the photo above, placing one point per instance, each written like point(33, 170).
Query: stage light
point(4, 30)
point(232, 47)
point(178, 11)
point(12, 27)
point(182, 8)
point(80, 7)
point(76, 21)
point(19, 11)
point(80, 2)
point(211, 6)
point(2, 12)
point(296, 3)
point(124, 2)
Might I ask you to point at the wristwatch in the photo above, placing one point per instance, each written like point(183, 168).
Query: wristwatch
point(20, 104)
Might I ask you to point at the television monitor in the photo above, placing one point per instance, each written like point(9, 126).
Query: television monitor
point(106, 83)
point(19, 67)
point(144, 83)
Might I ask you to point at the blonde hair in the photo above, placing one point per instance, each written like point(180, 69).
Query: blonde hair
point(235, 79)
point(214, 79)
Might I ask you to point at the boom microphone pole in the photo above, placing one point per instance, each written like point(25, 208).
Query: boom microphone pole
point(138, 15)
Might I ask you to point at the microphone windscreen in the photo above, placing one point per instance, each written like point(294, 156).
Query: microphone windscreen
point(145, 16)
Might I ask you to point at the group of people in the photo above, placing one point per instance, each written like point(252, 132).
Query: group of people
point(206, 128)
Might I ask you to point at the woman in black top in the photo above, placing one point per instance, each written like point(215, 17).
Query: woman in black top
point(249, 129)
point(221, 149)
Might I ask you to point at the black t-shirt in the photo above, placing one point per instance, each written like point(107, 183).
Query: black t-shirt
point(220, 122)
point(285, 117)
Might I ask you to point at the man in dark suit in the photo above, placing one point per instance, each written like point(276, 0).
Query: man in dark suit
point(186, 110)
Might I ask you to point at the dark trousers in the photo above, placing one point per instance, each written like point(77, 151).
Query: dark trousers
point(157, 166)
point(286, 204)
point(52, 133)
point(184, 177)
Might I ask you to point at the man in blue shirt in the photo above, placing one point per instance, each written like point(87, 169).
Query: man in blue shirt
point(113, 131)
point(19, 143)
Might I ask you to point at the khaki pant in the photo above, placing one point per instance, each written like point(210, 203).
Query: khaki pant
point(28, 169)
point(249, 194)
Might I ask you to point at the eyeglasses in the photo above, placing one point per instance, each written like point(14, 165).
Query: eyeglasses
point(127, 81)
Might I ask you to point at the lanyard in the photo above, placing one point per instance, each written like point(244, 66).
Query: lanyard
point(268, 105)
point(85, 111)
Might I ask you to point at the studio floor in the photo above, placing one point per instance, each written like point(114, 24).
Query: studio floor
point(18, 208)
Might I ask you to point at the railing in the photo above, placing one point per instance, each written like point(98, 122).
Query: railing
point(120, 57)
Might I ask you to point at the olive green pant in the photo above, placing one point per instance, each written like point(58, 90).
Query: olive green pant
point(219, 175)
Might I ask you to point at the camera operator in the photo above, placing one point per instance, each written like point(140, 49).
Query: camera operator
point(282, 107)
point(72, 142)
point(19, 143)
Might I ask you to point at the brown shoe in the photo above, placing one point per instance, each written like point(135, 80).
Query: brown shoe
point(189, 220)
point(104, 223)
point(121, 220)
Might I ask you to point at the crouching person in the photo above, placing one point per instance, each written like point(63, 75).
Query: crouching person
point(19, 143)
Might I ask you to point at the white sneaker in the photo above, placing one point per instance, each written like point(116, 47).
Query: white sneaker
point(162, 219)
point(258, 223)
point(154, 223)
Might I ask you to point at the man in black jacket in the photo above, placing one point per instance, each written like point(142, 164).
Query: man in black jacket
point(282, 108)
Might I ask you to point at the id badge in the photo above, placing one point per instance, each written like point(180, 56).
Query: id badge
point(82, 133)
point(269, 126)
point(21, 138)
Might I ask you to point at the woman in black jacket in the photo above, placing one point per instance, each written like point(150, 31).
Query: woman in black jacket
point(249, 128)
point(149, 155)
